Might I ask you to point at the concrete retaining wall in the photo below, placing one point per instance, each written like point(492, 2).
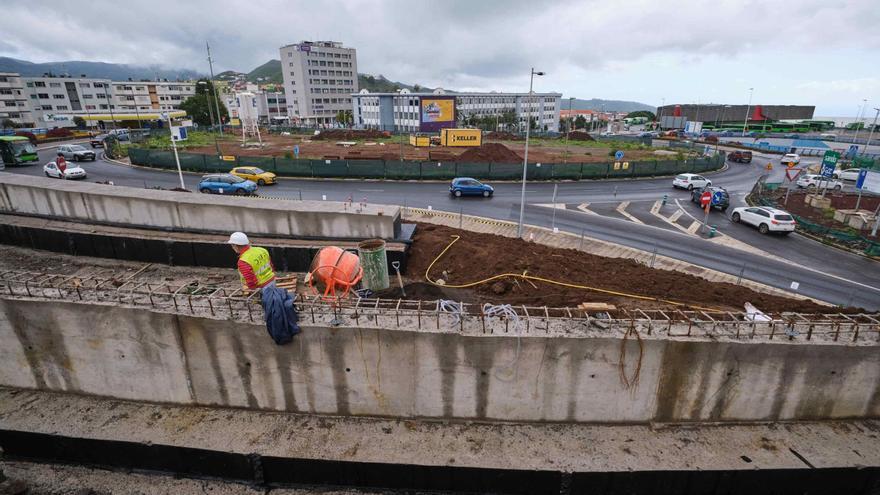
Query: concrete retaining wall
point(149, 356)
point(151, 208)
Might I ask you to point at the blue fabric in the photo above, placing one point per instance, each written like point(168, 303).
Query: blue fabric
point(281, 317)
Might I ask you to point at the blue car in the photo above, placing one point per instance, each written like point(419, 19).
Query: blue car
point(465, 186)
point(226, 184)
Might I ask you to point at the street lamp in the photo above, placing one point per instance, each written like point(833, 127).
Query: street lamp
point(522, 198)
point(859, 119)
point(748, 108)
point(871, 134)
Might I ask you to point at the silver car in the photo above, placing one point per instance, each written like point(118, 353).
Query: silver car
point(76, 153)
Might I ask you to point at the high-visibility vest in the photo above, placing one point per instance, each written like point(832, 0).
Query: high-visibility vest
point(259, 260)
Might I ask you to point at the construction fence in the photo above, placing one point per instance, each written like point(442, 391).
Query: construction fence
point(409, 170)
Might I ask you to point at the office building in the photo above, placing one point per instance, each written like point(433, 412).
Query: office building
point(319, 79)
point(405, 111)
point(13, 100)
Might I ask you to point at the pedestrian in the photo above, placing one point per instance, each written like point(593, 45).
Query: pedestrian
point(61, 163)
point(257, 273)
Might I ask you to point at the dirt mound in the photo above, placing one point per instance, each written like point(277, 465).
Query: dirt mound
point(478, 256)
point(502, 136)
point(441, 156)
point(348, 134)
point(490, 152)
point(578, 136)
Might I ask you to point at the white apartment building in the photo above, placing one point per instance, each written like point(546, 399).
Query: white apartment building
point(13, 100)
point(319, 79)
point(400, 111)
point(55, 100)
point(271, 106)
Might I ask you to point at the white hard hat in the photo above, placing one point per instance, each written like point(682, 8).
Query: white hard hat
point(238, 238)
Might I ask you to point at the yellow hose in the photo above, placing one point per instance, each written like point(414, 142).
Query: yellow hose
point(547, 281)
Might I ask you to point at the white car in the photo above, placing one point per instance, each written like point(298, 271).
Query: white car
point(607, 134)
point(813, 181)
point(765, 218)
point(848, 174)
point(71, 172)
point(790, 158)
point(76, 153)
point(690, 181)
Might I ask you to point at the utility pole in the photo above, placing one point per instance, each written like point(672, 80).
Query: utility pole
point(522, 199)
point(214, 88)
point(871, 134)
point(748, 108)
point(859, 119)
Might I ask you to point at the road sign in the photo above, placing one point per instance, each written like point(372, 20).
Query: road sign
point(178, 133)
point(296, 150)
point(227, 158)
point(792, 173)
point(869, 181)
point(705, 198)
point(717, 197)
point(829, 163)
point(618, 155)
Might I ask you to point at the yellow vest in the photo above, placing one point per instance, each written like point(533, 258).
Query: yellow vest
point(259, 260)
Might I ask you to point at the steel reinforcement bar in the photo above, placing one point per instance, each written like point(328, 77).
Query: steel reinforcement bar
point(231, 303)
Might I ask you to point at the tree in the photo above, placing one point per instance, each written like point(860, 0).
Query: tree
point(508, 119)
point(200, 106)
point(580, 122)
point(643, 113)
point(345, 118)
point(79, 122)
point(9, 124)
point(416, 88)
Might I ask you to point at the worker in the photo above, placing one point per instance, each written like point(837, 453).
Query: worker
point(61, 163)
point(254, 264)
point(256, 272)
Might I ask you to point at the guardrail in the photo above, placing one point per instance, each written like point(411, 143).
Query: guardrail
point(425, 170)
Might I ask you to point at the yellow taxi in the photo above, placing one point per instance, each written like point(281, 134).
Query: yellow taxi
point(254, 174)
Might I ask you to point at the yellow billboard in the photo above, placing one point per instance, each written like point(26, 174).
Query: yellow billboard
point(437, 113)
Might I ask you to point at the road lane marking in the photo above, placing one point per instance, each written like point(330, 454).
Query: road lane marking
point(675, 215)
point(694, 226)
point(558, 206)
point(583, 208)
point(621, 208)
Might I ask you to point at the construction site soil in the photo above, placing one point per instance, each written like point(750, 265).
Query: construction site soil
point(839, 201)
point(479, 256)
point(355, 146)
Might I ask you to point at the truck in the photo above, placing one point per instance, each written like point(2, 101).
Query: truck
point(461, 137)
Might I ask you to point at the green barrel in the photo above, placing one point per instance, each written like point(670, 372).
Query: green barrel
point(375, 264)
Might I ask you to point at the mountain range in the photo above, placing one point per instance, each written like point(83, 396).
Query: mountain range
point(269, 72)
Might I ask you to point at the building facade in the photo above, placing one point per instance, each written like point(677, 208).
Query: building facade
point(736, 113)
point(319, 79)
point(271, 106)
point(401, 111)
point(14, 104)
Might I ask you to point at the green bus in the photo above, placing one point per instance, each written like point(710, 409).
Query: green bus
point(16, 150)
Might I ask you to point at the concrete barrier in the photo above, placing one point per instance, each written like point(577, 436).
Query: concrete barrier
point(149, 208)
point(161, 357)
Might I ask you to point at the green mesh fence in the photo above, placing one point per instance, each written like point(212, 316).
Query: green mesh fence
point(508, 171)
point(191, 162)
point(214, 164)
point(474, 170)
point(643, 169)
point(368, 169)
point(266, 163)
point(594, 170)
point(161, 159)
point(666, 167)
point(541, 171)
point(329, 168)
point(620, 169)
point(293, 168)
point(402, 170)
point(138, 156)
point(438, 170)
point(567, 171)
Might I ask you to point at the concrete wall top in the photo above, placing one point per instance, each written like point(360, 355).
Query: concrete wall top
point(194, 212)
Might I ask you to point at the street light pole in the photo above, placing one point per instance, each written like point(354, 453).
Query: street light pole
point(859, 119)
point(214, 88)
point(522, 198)
point(871, 134)
point(748, 109)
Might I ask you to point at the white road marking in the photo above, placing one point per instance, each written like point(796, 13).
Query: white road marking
point(621, 208)
point(583, 208)
point(558, 206)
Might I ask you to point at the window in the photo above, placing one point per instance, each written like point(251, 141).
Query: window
point(90, 107)
point(129, 98)
point(40, 84)
point(45, 107)
point(4, 91)
point(103, 107)
point(87, 97)
point(58, 97)
point(84, 85)
point(33, 97)
point(61, 107)
point(9, 103)
point(29, 84)
point(54, 85)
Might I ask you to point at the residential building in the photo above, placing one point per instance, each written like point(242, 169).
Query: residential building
point(401, 111)
point(271, 106)
point(13, 100)
point(319, 79)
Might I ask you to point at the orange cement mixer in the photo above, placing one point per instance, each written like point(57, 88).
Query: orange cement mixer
point(334, 272)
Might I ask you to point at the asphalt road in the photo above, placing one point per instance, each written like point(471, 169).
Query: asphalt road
point(820, 271)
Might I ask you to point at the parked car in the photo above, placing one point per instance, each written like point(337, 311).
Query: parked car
point(70, 172)
point(254, 174)
point(465, 186)
point(791, 135)
point(121, 134)
point(828, 137)
point(790, 159)
point(848, 174)
point(766, 219)
point(721, 200)
point(740, 156)
point(690, 181)
point(607, 134)
point(76, 153)
point(813, 181)
point(226, 184)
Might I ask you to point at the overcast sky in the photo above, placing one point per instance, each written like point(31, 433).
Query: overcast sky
point(812, 52)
